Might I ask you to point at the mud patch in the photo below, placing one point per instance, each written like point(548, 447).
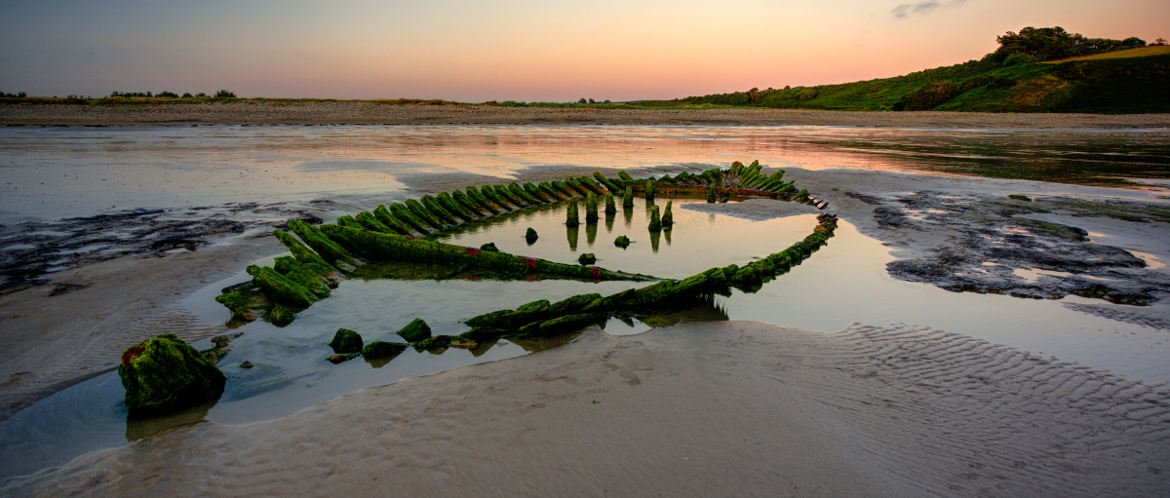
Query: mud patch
point(32, 250)
point(995, 245)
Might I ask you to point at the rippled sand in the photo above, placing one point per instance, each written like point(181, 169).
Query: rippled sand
point(739, 408)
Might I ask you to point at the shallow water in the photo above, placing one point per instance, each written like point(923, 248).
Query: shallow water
point(60, 172)
point(52, 173)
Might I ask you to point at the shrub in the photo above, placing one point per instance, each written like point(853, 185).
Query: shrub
point(224, 94)
point(928, 96)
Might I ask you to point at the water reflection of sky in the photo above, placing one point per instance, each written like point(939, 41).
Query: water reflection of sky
point(80, 171)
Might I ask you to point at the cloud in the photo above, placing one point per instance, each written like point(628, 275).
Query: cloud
point(905, 10)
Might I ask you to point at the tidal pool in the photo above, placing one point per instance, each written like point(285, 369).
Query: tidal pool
point(55, 173)
point(289, 369)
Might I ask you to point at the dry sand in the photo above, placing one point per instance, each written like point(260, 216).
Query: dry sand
point(727, 408)
point(248, 112)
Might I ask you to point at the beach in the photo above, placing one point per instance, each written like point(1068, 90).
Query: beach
point(693, 409)
point(298, 112)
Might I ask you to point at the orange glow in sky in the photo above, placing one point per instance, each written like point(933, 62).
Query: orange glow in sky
point(515, 49)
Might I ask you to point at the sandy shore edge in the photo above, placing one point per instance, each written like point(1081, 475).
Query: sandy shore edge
point(740, 408)
point(248, 112)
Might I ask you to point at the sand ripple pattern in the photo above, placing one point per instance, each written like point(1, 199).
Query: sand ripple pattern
point(1030, 425)
point(697, 409)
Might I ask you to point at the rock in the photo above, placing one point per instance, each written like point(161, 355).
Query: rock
point(382, 349)
point(247, 365)
point(346, 341)
point(490, 246)
point(434, 345)
point(415, 331)
point(279, 315)
point(340, 358)
point(165, 374)
point(530, 236)
point(622, 241)
point(587, 259)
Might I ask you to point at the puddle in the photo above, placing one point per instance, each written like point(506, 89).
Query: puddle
point(1032, 275)
point(1152, 262)
point(289, 368)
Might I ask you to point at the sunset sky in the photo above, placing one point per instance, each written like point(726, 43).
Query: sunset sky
point(531, 50)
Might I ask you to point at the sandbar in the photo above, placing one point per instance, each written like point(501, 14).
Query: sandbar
point(308, 112)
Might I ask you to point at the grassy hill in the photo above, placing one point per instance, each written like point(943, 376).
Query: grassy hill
point(1125, 81)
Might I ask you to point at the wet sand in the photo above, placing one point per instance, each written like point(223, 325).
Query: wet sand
point(259, 112)
point(694, 409)
point(738, 408)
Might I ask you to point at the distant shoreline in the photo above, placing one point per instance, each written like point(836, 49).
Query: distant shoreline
point(313, 112)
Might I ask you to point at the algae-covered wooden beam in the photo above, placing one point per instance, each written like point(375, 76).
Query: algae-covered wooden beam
point(401, 212)
point(298, 250)
point(470, 204)
point(329, 250)
point(609, 184)
point(457, 207)
point(369, 222)
point(279, 289)
point(384, 247)
point(421, 212)
point(446, 216)
point(571, 217)
point(476, 196)
point(535, 317)
point(538, 193)
point(389, 220)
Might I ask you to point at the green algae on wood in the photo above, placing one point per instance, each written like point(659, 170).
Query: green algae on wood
point(164, 374)
point(610, 205)
point(628, 197)
point(327, 249)
point(421, 212)
point(476, 196)
point(609, 184)
point(668, 216)
point(384, 247)
point(622, 241)
point(370, 222)
point(571, 218)
point(456, 207)
point(587, 259)
point(591, 209)
point(432, 204)
point(298, 250)
point(530, 236)
point(655, 221)
point(400, 211)
point(280, 289)
point(312, 280)
point(389, 220)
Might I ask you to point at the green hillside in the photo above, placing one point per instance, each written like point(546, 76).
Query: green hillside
point(1088, 78)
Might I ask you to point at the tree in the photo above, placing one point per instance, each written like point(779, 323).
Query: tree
point(1053, 43)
